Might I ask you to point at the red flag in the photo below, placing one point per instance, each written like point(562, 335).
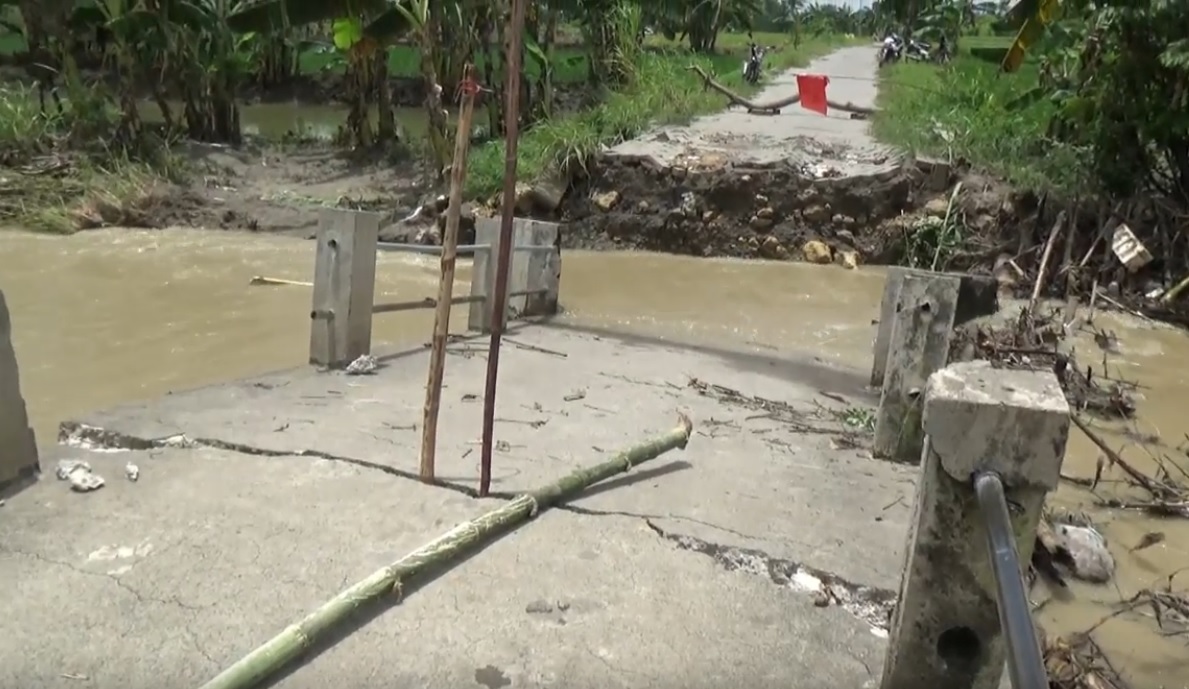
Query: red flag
point(813, 91)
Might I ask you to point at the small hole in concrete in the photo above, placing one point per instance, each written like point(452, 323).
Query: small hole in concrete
point(959, 648)
point(313, 315)
point(926, 307)
point(914, 393)
point(334, 243)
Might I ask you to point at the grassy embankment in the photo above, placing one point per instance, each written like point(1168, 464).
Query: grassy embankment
point(969, 110)
point(60, 174)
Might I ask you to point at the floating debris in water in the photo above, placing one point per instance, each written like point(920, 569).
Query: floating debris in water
point(132, 472)
point(365, 365)
point(79, 473)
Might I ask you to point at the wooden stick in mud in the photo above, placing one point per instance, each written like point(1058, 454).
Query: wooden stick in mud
point(441, 322)
point(775, 106)
point(1044, 260)
point(391, 581)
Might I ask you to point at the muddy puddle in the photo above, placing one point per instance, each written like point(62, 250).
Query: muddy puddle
point(107, 317)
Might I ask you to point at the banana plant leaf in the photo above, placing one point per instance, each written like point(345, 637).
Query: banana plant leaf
point(276, 15)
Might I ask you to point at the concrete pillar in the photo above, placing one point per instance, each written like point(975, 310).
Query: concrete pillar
point(922, 323)
point(344, 287)
point(543, 269)
point(946, 631)
point(978, 295)
point(18, 448)
point(528, 270)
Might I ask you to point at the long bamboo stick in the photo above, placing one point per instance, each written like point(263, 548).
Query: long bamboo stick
point(499, 300)
point(441, 323)
point(262, 663)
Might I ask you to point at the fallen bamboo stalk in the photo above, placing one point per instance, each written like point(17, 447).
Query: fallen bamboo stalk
point(775, 106)
point(441, 323)
point(262, 280)
point(268, 659)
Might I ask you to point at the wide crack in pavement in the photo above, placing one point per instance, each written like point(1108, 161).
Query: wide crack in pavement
point(872, 605)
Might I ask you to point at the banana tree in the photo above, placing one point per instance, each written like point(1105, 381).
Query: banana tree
point(363, 31)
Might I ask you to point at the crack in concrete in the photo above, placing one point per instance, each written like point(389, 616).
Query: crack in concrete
point(870, 604)
point(86, 436)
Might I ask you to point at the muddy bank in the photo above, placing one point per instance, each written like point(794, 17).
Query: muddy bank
point(746, 211)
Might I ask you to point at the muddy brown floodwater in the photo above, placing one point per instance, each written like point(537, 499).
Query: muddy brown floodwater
point(112, 316)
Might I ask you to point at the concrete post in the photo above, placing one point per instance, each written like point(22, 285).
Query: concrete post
point(487, 231)
point(922, 324)
point(977, 296)
point(18, 447)
point(946, 630)
point(344, 287)
point(528, 270)
point(543, 268)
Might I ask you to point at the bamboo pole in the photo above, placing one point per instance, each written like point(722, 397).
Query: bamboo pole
point(499, 300)
point(261, 664)
point(441, 323)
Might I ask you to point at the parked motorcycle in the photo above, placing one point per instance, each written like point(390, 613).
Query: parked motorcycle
point(751, 66)
point(891, 50)
point(918, 50)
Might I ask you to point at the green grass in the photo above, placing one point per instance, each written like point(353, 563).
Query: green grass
point(664, 91)
point(968, 110)
point(55, 186)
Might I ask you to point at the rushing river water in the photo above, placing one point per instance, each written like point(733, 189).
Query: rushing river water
point(112, 316)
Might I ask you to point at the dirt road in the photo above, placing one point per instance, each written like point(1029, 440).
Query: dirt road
point(827, 146)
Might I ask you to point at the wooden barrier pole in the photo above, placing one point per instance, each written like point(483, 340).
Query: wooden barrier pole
point(441, 325)
point(499, 300)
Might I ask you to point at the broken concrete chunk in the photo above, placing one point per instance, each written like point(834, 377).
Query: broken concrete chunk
point(84, 481)
point(67, 467)
point(365, 365)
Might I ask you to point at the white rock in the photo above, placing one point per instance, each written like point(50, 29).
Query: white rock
point(1092, 561)
point(132, 471)
point(66, 467)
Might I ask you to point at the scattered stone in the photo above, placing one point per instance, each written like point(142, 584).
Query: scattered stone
point(772, 248)
point(1089, 556)
point(539, 607)
point(689, 204)
point(766, 213)
point(709, 216)
point(132, 472)
point(816, 251)
point(642, 207)
point(606, 201)
point(821, 599)
point(760, 224)
point(761, 199)
point(937, 207)
point(817, 214)
point(83, 481)
point(365, 365)
point(846, 236)
point(847, 259)
point(66, 467)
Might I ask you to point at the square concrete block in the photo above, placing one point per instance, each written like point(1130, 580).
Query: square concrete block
point(1013, 422)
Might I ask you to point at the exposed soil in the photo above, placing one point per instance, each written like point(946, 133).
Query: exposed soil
point(274, 189)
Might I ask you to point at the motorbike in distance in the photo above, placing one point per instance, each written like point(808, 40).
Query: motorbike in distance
point(753, 63)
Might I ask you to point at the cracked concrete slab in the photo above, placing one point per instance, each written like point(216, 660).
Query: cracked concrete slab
point(166, 580)
point(567, 399)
